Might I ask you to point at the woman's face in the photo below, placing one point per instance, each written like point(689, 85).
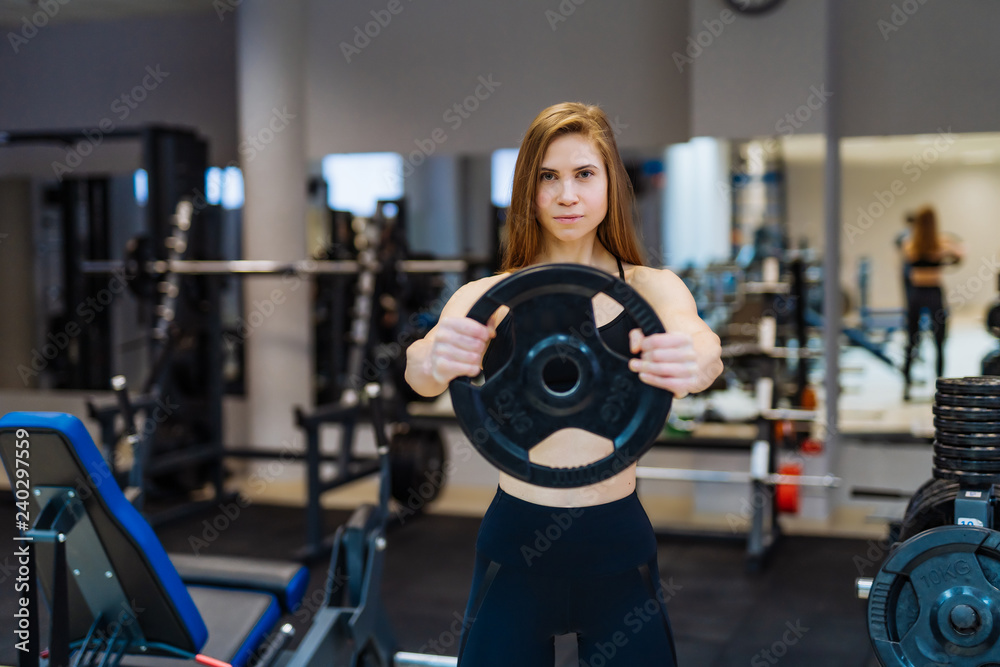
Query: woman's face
point(571, 198)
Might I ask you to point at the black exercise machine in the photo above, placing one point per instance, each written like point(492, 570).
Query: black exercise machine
point(111, 588)
point(115, 594)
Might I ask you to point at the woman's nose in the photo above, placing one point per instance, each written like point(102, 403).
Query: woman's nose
point(567, 194)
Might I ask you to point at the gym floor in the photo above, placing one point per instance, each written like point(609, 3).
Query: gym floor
point(800, 610)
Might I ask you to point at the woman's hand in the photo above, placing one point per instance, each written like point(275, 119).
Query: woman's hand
point(458, 348)
point(668, 361)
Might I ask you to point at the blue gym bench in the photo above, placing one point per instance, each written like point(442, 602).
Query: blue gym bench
point(116, 597)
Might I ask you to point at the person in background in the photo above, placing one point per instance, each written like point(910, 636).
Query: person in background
point(901, 238)
point(926, 250)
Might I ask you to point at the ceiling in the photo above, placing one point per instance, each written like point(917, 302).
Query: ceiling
point(964, 149)
point(14, 12)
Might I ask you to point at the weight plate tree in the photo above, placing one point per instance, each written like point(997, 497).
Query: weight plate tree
point(967, 430)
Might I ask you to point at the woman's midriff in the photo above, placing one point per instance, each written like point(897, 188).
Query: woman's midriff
point(571, 448)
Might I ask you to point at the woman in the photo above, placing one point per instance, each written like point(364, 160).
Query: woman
point(926, 251)
point(554, 561)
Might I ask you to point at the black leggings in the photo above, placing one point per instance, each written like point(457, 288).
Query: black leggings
point(546, 571)
point(919, 299)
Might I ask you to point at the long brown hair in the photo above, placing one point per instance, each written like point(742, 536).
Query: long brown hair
point(925, 244)
point(522, 239)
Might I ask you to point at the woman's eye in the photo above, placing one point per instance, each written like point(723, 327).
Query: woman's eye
point(586, 174)
point(548, 176)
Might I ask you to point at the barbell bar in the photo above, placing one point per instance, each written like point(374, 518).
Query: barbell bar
point(863, 587)
point(403, 659)
point(271, 267)
point(733, 477)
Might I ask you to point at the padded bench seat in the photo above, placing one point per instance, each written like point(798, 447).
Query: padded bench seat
point(287, 581)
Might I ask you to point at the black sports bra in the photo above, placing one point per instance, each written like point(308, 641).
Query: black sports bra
point(947, 260)
point(561, 377)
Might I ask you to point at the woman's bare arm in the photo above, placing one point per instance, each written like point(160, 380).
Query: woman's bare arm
point(454, 346)
point(682, 369)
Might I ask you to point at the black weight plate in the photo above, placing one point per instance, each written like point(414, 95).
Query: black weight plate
point(933, 505)
point(966, 465)
point(976, 478)
point(917, 497)
point(918, 598)
point(970, 386)
point(962, 427)
point(969, 439)
point(974, 453)
point(991, 363)
point(962, 401)
point(417, 459)
point(553, 319)
point(967, 414)
point(993, 319)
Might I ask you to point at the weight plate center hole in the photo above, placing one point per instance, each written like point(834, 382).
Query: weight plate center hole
point(561, 376)
point(964, 619)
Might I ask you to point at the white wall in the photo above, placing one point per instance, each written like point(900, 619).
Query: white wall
point(905, 67)
point(430, 56)
point(72, 76)
point(939, 69)
point(756, 70)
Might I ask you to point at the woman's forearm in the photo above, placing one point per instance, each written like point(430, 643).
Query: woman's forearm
point(418, 372)
point(708, 356)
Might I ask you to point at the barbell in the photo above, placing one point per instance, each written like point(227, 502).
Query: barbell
point(261, 267)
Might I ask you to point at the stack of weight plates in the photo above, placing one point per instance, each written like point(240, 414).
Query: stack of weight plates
point(967, 430)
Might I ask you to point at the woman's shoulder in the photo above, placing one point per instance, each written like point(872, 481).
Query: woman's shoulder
point(654, 284)
point(638, 274)
point(466, 295)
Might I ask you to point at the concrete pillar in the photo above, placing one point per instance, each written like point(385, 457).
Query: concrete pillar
point(434, 205)
point(477, 207)
point(270, 71)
